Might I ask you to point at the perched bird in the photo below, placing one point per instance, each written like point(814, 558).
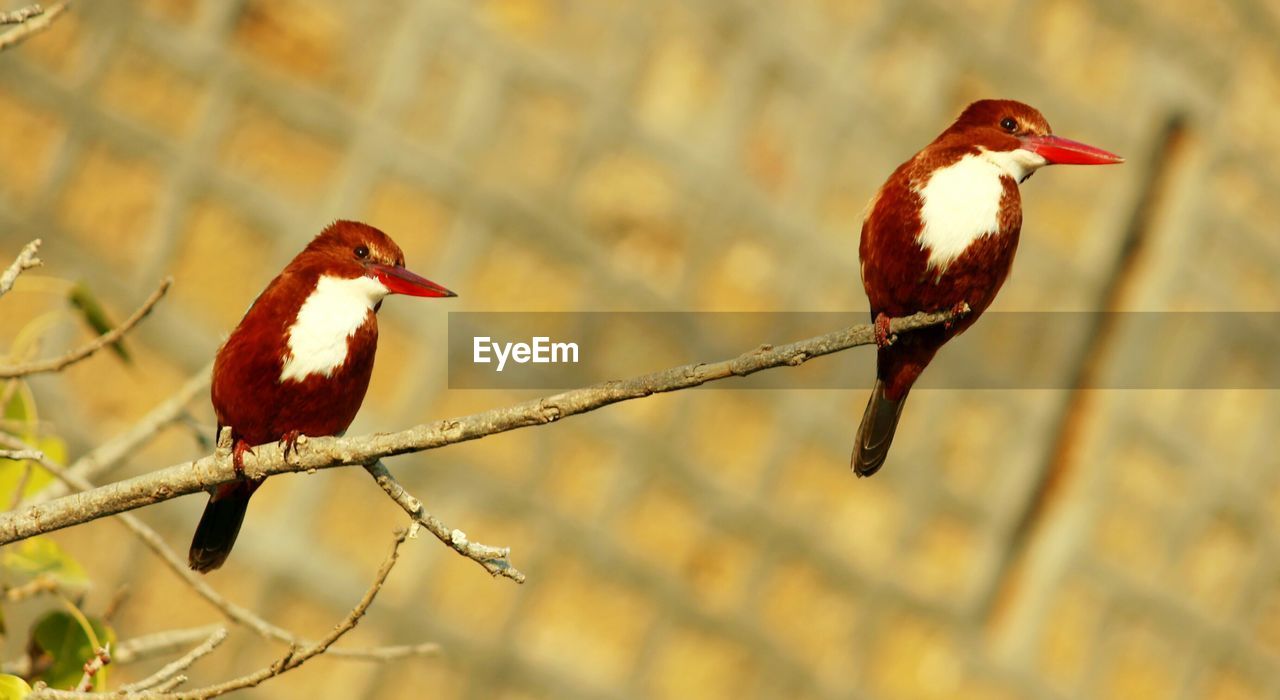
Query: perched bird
point(300, 360)
point(940, 235)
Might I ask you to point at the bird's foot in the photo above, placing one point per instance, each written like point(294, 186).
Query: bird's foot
point(237, 456)
point(958, 311)
point(289, 443)
point(883, 338)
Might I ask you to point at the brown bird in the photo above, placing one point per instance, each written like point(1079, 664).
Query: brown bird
point(940, 235)
point(300, 360)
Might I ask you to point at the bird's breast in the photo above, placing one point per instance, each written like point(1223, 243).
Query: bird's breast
point(961, 203)
point(318, 342)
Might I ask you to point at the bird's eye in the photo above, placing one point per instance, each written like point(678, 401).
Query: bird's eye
point(362, 252)
point(1009, 124)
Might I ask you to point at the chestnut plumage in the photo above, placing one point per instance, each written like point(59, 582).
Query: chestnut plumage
point(300, 360)
point(941, 234)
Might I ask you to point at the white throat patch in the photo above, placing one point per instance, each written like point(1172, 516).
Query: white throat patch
point(961, 202)
point(317, 340)
point(1017, 164)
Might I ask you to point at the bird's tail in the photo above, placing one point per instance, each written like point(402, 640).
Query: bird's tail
point(875, 433)
point(216, 533)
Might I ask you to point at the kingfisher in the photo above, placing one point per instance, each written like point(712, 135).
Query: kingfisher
point(940, 235)
point(299, 362)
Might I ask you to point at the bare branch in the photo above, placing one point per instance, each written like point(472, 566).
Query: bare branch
point(25, 261)
point(32, 25)
point(236, 613)
point(101, 658)
point(328, 452)
point(296, 657)
point(21, 454)
point(179, 665)
point(57, 363)
point(147, 646)
point(108, 454)
point(21, 15)
point(39, 585)
point(493, 559)
point(293, 659)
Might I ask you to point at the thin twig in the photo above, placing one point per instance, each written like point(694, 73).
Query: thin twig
point(110, 453)
point(41, 584)
point(236, 613)
point(25, 456)
point(31, 26)
point(328, 452)
point(55, 364)
point(25, 261)
point(147, 646)
point(21, 15)
point(297, 657)
point(294, 658)
point(179, 665)
point(495, 560)
point(101, 658)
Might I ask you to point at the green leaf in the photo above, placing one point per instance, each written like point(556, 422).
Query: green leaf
point(12, 471)
point(12, 687)
point(93, 314)
point(20, 413)
point(65, 640)
point(40, 555)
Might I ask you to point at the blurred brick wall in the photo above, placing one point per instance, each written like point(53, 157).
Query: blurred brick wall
point(714, 155)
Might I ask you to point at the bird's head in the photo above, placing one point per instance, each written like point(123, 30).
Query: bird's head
point(1018, 138)
point(352, 250)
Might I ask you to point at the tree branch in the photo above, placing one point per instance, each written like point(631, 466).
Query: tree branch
point(147, 646)
point(21, 14)
point(58, 363)
point(232, 611)
point(493, 559)
point(179, 665)
point(291, 660)
point(328, 452)
point(108, 454)
point(33, 23)
point(25, 261)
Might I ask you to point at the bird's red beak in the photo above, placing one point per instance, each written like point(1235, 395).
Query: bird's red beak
point(1060, 151)
point(398, 280)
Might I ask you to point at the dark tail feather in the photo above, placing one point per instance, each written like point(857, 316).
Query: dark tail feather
point(875, 434)
point(216, 533)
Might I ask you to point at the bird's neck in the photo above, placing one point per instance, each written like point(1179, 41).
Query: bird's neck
point(319, 339)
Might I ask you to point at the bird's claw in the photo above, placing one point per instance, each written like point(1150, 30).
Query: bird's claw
point(958, 311)
point(289, 443)
point(237, 456)
point(883, 337)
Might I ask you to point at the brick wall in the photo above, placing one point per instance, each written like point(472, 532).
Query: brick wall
point(662, 155)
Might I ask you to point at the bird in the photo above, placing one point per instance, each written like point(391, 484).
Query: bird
point(940, 235)
point(299, 361)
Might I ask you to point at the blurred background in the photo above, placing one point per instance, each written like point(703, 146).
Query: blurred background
point(656, 155)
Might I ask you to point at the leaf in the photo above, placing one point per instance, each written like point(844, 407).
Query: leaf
point(13, 687)
point(20, 413)
point(65, 640)
point(11, 471)
point(40, 555)
point(93, 314)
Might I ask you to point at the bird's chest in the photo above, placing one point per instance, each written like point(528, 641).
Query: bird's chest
point(962, 204)
point(326, 334)
point(935, 239)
